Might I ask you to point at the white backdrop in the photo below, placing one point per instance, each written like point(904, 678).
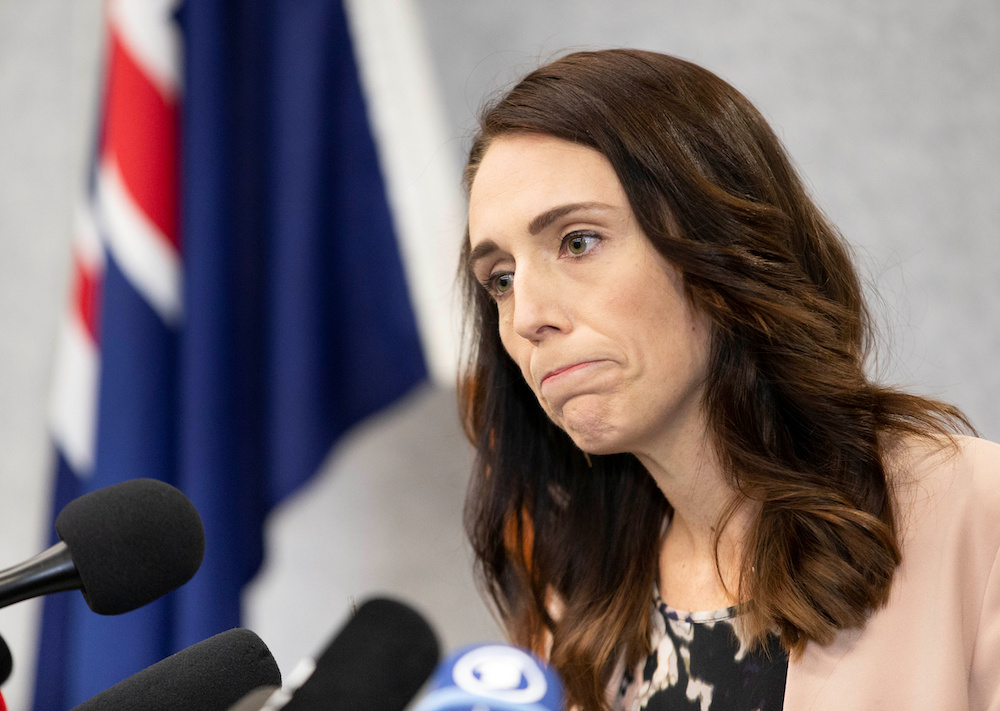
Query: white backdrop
point(891, 110)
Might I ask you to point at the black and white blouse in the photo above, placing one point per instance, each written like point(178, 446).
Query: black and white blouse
point(699, 664)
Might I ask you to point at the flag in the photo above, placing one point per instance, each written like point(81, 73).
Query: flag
point(238, 299)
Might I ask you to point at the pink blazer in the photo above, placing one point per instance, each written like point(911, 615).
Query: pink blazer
point(936, 645)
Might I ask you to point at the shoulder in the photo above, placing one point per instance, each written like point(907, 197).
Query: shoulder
point(948, 510)
point(977, 462)
point(980, 458)
point(961, 473)
point(974, 473)
point(936, 643)
point(971, 507)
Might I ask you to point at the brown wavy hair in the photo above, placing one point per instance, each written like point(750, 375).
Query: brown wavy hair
point(798, 425)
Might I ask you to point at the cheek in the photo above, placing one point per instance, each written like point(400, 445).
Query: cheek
point(506, 333)
point(514, 346)
point(520, 351)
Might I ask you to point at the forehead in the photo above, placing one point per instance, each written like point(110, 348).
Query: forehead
point(522, 176)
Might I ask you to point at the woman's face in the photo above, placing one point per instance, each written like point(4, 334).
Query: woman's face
point(596, 319)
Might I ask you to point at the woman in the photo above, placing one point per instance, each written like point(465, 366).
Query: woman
point(687, 492)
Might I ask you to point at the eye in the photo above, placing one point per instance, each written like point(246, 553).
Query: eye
point(579, 243)
point(499, 283)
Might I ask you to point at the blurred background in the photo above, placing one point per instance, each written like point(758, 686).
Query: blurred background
point(891, 110)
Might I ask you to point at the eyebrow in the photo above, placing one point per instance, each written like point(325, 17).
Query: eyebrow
point(483, 249)
point(538, 224)
point(550, 216)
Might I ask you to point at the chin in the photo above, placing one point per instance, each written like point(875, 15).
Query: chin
point(598, 449)
point(594, 436)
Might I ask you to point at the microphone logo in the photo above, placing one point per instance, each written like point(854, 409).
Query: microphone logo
point(499, 672)
point(493, 677)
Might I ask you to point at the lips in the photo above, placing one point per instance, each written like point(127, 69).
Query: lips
point(566, 370)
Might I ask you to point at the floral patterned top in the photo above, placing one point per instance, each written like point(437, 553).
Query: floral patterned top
point(699, 664)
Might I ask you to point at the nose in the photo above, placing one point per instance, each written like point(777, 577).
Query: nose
point(539, 305)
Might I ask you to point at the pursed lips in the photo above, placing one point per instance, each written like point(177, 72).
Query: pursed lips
point(566, 369)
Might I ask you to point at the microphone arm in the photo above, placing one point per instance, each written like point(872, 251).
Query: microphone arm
point(50, 571)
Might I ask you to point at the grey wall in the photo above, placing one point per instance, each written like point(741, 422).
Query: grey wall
point(891, 109)
point(49, 53)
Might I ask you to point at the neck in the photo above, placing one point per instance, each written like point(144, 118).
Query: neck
point(693, 481)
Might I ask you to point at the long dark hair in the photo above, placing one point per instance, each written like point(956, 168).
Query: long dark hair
point(798, 425)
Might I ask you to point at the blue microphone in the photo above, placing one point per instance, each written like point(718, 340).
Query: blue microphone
point(493, 677)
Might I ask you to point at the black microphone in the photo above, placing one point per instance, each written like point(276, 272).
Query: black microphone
point(207, 676)
point(123, 546)
point(376, 662)
point(6, 662)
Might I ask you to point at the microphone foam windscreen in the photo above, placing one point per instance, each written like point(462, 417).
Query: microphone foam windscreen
point(208, 676)
point(132, 543)
point(377, 662)
point(6, 661)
